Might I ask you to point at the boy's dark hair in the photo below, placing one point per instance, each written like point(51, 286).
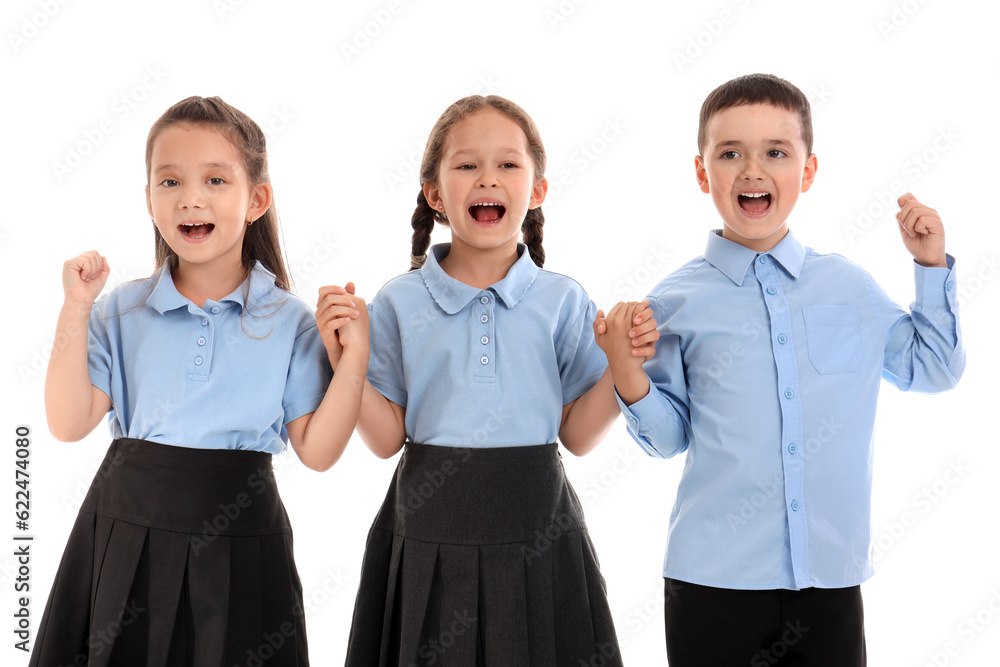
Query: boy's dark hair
point(757, 89)
point(424, 216)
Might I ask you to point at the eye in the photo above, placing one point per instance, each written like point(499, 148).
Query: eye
point(509, 165)
point(169, 183)
point(216, 181)
point(730, 155)
point(466, 166)
point(774, 152)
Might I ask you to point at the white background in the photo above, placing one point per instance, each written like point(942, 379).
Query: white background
point(615, 89)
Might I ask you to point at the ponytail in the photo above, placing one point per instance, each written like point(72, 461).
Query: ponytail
point(532, 230)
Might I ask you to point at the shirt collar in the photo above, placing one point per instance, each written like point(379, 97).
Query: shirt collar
point(734, 259)
point(165, 296)
point(453, 295)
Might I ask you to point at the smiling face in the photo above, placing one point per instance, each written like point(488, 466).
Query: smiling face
point(754, 164)
point(199, 196)
point(485, 183)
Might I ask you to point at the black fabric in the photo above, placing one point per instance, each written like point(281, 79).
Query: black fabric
point(814, 627)
point(481, 557)
point(179, 556)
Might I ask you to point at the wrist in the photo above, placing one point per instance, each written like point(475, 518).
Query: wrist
point(633, 387)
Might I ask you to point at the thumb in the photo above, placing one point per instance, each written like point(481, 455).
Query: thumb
point(349, 287)
point(905, 198)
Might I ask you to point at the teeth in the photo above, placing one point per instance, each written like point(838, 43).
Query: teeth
point(487, 204)
point(754, 194)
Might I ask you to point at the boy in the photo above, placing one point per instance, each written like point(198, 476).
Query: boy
point(767, 371)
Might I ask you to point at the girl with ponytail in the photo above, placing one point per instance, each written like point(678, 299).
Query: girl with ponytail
point(481, 359)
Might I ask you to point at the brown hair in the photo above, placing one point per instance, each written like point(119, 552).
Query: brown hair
point(757, 89)
point(262, 240)
point(424, 216)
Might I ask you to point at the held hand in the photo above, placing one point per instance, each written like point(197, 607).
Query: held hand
point(628, 334)
point(335, 308)
point(354, 335)
point(922, 231)
point(84, 277)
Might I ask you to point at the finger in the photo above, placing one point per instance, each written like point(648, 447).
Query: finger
point(643, 312)
point(646, 351)
point(903, 199)
point(334, 324)
point(350, 287)
point(330, 289)
point(332, 312)
point(646, 338)
point(336, 300)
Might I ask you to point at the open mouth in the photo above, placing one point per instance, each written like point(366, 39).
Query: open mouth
point(755, 203)
point(487, 212)
point(196, 231)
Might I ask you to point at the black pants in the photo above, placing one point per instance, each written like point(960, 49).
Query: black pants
point(720, 627)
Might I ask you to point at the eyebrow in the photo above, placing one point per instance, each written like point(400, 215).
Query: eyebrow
point(769, 142)
point(207, 165)
point(503, 150)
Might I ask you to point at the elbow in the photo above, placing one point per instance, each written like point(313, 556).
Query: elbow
point(65, 432)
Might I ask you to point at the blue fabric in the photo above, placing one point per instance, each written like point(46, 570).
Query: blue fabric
point(767, 373)
point(229, 375)
point(483, 368)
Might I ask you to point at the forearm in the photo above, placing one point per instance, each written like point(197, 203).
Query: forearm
point(69, 395)
point(332, 424)
point(589, 417)
point(381, 423)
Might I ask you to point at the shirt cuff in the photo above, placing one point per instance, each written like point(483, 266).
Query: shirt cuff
point(936, 286)
point(644, 416)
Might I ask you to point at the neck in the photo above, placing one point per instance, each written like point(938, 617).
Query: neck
point(479, 267)
point(200, 282)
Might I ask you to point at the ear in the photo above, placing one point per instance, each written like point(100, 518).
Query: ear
point(700, 173)
point(433, 195)
point(538, 193)
point(149, 203)
point(260, 200)
point(809, 172)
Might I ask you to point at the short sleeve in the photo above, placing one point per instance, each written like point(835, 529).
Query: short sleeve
point(309, 375)
point(99, 354)
point(385, 364)
point(581, 361)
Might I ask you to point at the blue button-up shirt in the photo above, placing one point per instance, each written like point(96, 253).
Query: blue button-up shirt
point(767, 373)
point(483, 367)
point(228, 375)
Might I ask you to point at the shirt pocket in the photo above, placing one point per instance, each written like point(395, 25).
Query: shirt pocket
point(833, 337)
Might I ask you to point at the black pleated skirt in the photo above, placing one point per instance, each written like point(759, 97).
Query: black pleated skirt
point(481, 557)
point(179, 556)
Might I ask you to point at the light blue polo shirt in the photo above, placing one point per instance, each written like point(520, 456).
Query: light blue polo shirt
point(229, 375)
point(483, 367)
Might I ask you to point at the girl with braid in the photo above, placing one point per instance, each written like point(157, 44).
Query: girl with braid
point(480, 359)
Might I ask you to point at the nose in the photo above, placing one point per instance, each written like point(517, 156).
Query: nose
point(486, 177)
point(752, 169)
point(191, 196)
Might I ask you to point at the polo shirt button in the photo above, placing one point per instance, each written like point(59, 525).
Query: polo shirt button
point(772, 291)
point(949, 285)
point(792, 448)
point(204, 321)
point(216, 309)
point(484, 360)
point(484, 319)
point(789, 393)
point(484, 340)
point(795, 506)
point(484, 299)
point(198, 361)
point(201, 341)
point(763, 259)
point(782, 338)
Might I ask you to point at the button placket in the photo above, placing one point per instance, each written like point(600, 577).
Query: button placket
point(789, 402)
point(483, 344)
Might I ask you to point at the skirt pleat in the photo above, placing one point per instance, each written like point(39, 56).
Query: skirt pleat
point(179, 557)
point(481, 558)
